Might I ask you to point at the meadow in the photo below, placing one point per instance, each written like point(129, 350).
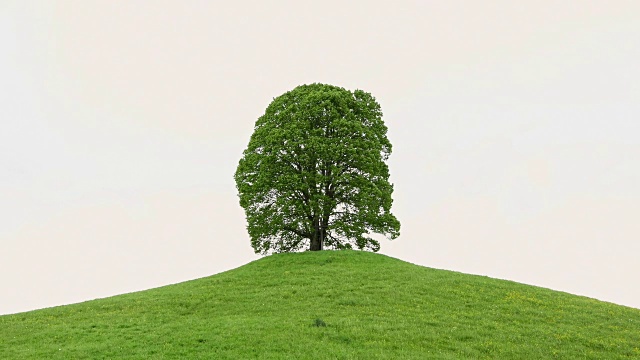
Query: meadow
point(329, 305)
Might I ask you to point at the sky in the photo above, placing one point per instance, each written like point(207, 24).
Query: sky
point(515, 130)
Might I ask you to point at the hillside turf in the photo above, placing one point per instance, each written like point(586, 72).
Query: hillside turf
point(329, 305)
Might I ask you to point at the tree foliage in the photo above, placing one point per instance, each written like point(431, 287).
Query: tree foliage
point(314, 174)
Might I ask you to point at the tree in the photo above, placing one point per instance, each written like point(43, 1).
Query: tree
point(314, 174)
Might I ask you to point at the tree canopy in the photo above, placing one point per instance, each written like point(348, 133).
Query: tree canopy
point(314, 174)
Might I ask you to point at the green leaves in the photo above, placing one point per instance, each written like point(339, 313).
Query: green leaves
point(314, 173)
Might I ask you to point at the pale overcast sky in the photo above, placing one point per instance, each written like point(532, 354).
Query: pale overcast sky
point(515, 125)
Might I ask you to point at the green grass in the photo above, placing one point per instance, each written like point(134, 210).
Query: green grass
point(329, 305)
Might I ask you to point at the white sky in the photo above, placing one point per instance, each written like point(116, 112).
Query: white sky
point(515, 127)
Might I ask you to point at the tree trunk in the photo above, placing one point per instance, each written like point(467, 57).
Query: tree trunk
point(317, 239)
point(316, 245)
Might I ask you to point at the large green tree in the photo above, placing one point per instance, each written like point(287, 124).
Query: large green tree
point(314, 174)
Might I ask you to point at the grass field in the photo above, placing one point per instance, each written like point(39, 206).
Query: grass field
point(329, 305)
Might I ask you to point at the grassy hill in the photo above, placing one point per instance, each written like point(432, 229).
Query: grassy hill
point(329, 305)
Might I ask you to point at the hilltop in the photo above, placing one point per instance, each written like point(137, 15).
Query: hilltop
point(328, 305)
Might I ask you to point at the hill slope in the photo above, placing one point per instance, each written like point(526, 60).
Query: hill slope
point(346, 304)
